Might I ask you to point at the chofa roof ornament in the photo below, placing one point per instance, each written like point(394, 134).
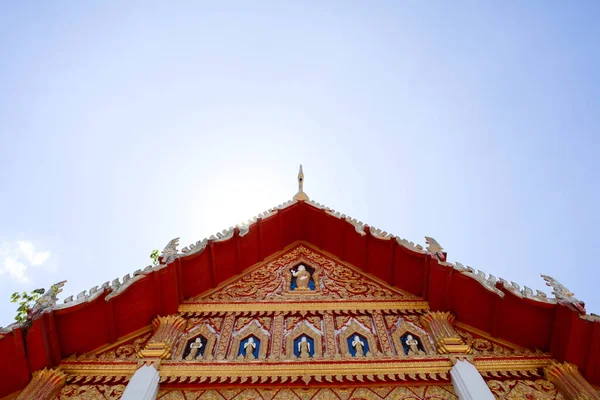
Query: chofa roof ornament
point(564, 295)
point(434, 248)
point(301, 195)
point(47, 300)
point(169, 253)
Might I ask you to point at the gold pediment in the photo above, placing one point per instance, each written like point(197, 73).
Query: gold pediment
point(304, 275)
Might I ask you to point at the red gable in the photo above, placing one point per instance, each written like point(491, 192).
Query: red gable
point(116, 310)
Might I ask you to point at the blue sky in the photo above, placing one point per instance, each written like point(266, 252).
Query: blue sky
point(124, 125)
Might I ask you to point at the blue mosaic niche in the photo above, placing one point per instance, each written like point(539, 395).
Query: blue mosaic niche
point(311, 352)
point(196, 352)
point(243, 343)
point(311, 283)
point(351, 348)
point(406, 347)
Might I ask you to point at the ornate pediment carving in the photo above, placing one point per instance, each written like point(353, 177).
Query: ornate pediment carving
point(303, 273)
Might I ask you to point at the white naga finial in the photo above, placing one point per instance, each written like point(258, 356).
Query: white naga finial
point(563, 295)
point(301, 195)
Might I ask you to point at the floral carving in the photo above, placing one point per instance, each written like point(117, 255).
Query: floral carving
point(225, 337)
point(277, 336)
point(330, 343)
point(391, 321)
point(332, 281)
point(91, 392)
point(482, 346)
point(382, 334)
point(125, 352)
point(540, 389)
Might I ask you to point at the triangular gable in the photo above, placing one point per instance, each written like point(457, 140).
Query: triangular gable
point(327, 279)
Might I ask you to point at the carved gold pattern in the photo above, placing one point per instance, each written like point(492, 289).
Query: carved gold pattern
point(271, 281)
point(382, 333)
point(391, 321)
point(126, 351)
point(314, 321)
point(439, 325)
point(198, 330)
point(257, 303)
point(127, 339)
point(540, 389)
point(286, 271)
point(388, 392)
point(407, 327)
point(91, 392)
point(44, 384)
point(416, 369)
point(226, 332)
point(355, 328)
point(330, 342)
point(303, 329)
point(213, 322)
point(313, 305)
point(265, 322)
point(250, 329)
point(277, 336)
point(342, 320)
point(167, 331)
point(487, 346)
point(354, 369)
point(573, 386)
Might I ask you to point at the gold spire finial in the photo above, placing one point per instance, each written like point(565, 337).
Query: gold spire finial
point(301, 195)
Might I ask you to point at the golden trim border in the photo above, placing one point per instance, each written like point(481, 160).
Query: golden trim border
point(361, 366)
point(99, 369)
point(281, 369)
point(266, 307)
point(525, 363)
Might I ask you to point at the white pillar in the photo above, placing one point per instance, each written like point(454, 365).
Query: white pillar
point(468, 382)
point(143, 385)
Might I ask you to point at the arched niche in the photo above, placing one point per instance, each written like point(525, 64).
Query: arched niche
point(294, 337)
point(399, 336)
point(290, 280)
point(412, 345)
point(249, 348)
point(260, 338)
point(202, 330)
point(346, 338)
point(194, 349)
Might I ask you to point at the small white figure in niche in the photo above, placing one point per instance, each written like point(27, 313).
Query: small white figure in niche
point(249, 348)
point(413, 347)
point(359, 346)
point(304, 348)
point(302, 278)
point(195, 348)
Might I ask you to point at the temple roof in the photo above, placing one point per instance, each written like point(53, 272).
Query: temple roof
point(112, 310)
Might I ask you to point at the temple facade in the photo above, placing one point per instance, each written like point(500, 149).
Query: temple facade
point(303, 302)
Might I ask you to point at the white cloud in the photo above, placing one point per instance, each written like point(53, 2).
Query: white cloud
point(16, 258)
point(34, 258)
point(15, 269)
